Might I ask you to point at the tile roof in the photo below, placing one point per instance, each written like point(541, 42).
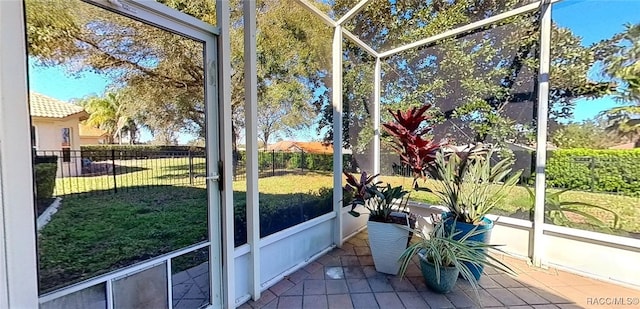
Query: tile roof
point(309, 147)
point(89, 131)
point(44, 106)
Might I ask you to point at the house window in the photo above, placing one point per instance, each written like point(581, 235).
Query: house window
point(66, 137)
point(66, 144)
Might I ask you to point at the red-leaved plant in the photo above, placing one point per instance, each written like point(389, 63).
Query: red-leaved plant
point(412, 140)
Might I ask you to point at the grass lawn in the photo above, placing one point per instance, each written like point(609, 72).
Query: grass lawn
point(626, 207)
point(97, 231)
point(156, 211)
point(94, 234)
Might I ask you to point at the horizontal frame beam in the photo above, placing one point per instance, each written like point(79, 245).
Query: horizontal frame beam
point(354, 10)
point(313, 9)
point(462, 29)
point(355, 39)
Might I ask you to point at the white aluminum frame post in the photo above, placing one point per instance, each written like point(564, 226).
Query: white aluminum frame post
point(538, 254)
point(337, 133)
point(377, 76)
point(224, 90)
point(251, 117)
point(18, 268)
point(544, 6)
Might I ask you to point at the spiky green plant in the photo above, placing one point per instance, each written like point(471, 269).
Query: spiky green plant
point(556, 210)
point(442, 249)
point(469, 184)
point(381, 200)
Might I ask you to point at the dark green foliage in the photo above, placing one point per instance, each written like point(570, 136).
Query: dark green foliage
point(600, 170)
point(379, 199)
point(295, 160)
point(279, 212)
point(45, 174)
point(46, 159)
point(102, 152)
point(319, 162)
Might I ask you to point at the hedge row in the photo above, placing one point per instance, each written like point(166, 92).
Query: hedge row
point(277, 214)
point(118, 152)
point(295, 160)
point(599, 170)
point(45, 174)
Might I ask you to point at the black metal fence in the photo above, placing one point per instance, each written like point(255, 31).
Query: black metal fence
point(114, 171)
point(278, 163)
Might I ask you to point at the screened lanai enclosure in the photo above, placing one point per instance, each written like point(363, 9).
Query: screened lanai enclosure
point(229, 125)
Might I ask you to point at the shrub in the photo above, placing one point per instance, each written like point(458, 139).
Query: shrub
point(45, 174)
point(278, 213)
point(105, 152)
point(295, 161)
point(46, 159)
point(600, 170)
point(319, 162)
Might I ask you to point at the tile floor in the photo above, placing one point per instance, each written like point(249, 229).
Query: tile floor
point(190, 288)
point(346, 278)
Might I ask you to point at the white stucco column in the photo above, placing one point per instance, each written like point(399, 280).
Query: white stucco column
point(18, 268)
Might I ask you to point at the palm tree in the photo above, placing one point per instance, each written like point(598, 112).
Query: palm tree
point(110, 113)
point(624, 64)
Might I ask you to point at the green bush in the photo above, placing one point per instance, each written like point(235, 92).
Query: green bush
point(599, 170)
point(319, 162)
point(105, 152)
point(45, 174)
point(295, 161)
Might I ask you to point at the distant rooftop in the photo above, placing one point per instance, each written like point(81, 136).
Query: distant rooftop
point(309, 147)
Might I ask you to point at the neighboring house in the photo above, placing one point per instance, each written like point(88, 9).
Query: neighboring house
point(308, 147)
point(54, 130)
point(92, 136)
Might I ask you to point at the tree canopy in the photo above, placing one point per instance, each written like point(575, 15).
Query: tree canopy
point(164, 72)
point(623, 64)
point(483, 83)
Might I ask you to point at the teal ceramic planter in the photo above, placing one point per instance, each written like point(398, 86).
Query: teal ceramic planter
point(448, 277)
point(484, 237)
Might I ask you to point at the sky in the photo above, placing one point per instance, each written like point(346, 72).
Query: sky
point(592, 20)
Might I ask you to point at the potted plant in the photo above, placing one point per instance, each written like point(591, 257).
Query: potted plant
point(446, 253)
point(388, 221)
point(470, 186)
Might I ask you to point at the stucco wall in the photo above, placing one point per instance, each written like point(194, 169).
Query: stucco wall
point(49, 139)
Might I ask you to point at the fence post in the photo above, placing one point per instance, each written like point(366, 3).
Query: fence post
point(113, 169)
point(273, 162)
point(190, 168)
point(592, 168)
